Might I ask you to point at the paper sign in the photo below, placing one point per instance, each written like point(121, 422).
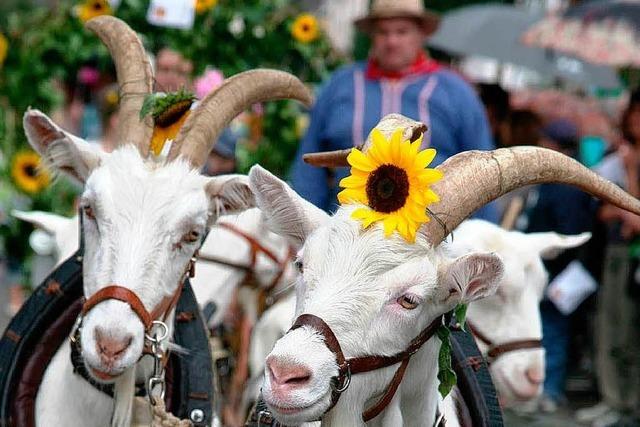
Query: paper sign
point(172, 13)
point(572, 286)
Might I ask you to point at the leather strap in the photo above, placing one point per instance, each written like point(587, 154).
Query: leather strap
point(356, 365)
point(121, 294)
point(255, 248)
point(497, 350)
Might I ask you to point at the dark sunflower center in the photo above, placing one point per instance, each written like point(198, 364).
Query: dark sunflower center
point(30, 171)
point(306, 27)
point(387, 188)
point(97, 6)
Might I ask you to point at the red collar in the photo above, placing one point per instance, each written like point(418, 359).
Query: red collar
point(422, 65)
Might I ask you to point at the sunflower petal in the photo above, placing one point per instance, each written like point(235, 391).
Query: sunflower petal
point(390, 224)
point(353, 181)
point(350, 195)
point(425, 157)
point(357, 159)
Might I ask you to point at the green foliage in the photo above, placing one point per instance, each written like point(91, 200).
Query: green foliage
point(48, 46)
point(446, 374)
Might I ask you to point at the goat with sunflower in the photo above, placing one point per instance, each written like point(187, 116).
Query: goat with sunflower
point(39, 47)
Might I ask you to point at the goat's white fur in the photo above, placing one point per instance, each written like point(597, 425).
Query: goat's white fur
point(353, 279)
point(143, 209)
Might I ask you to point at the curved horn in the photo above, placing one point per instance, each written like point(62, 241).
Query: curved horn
point(412, 130)
point(475, 178)
point(135, 78)
point(204, 125)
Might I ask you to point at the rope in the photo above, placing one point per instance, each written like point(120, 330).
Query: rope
point(162, 418)
point(157, 416)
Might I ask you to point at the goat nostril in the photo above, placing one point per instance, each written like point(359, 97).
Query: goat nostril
point(284, 374)
point(109, 347)
point(300, 380)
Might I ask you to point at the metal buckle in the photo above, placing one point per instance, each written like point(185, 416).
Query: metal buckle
point(157, 379)
point(74, 335)
point(345, 383)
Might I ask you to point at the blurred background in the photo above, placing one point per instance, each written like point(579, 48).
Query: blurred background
point(533, 63)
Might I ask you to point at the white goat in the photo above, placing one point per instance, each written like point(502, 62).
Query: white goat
point(510, 315)
point(213, 282)
point(376, 295)
point(143, 220)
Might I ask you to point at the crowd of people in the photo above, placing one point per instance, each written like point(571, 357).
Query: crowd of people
point(400, 77)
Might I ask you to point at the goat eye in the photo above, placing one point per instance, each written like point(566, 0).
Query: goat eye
point(408, 301)
point(88, 212)
point(299, 266)
point(191, 237)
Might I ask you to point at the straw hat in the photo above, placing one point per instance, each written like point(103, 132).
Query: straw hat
point(382, 9)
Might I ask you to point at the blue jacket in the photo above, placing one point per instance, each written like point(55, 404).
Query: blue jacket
point(350, 105)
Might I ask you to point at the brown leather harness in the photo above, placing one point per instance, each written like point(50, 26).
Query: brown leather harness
point(267, 295)
point(497, 350)
point(356, 365)
point(149, 319)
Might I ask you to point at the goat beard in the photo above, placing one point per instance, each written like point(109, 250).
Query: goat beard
point(124, 391)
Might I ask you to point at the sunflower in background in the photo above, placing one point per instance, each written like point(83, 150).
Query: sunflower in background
point(204, 5)
point(92, 8)
point(27, 174)
point(305, 28)
point(4, 48)
point(392, 179)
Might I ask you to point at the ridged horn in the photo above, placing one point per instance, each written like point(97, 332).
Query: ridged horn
point(387, 125)
point(203, 126)
point(135, 79)
point(474, 178)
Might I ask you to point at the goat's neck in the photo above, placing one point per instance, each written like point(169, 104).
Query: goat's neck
point(415, 401)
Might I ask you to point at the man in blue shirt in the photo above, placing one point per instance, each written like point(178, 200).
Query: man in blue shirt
point(397, 78)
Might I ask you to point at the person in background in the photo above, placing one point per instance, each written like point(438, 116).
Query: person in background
point(496, 103)
point(172, 71)
point(398, 77)
point(222, 158)
point(108, 99)
point(617, 337)
point(566, 210)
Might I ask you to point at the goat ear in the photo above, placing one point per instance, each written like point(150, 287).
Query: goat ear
point(49, 222)
point(549, 245)
point(287, 214)
point(60, 150)
point(229, 194)
point(471, 277)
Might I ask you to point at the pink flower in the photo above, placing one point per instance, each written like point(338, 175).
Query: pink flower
point(88, 76)
point(210, 80)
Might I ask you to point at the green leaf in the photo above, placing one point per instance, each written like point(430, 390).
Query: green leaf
point(446, 374)
point(460, 313)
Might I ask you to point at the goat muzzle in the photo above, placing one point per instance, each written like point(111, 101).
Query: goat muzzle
point(356, 365)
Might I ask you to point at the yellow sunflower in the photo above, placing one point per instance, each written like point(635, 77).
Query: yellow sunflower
point(305, 28)
point(27, 174)
point(92, 8)
point(392, 179)
point(4, 48)
point(204, 5)
point(162, 134)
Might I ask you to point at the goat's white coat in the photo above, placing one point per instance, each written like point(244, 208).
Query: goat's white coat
point(143, 211)
point(353, 279)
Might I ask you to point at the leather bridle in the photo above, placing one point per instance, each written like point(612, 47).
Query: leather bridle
point(150, 319)
point(497, 350)
point(256, 248)
point(356, 365)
